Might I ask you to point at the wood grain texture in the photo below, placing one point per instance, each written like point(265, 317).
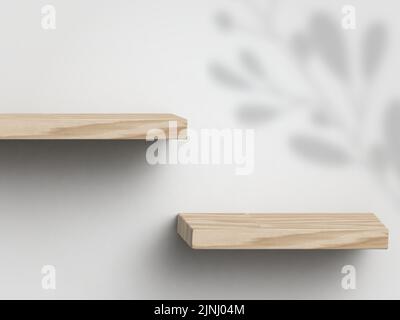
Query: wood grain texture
point(87, 126)
point(282, 231)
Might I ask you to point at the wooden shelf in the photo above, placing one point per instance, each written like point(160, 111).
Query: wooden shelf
point(86, 126)
point(283, 231)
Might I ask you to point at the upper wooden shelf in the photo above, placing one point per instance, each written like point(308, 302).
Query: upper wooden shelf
point(283, 231)
point(87, 126)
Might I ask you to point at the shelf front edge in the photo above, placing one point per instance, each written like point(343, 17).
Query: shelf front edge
point(134, 126)
point(283, 231)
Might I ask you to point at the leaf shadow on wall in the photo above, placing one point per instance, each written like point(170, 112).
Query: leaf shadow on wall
point(337, 126)
point(323, 40)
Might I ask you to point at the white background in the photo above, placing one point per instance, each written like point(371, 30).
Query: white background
point(106, 219)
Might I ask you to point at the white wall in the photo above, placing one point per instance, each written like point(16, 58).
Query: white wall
point(106, 219)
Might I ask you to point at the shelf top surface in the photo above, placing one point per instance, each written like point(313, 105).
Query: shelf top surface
point(89, 116)
point(343, 221)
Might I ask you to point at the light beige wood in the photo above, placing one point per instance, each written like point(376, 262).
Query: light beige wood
point(88, 126)
point(283, 231)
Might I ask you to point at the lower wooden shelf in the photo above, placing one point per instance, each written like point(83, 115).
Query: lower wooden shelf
point(282, 231)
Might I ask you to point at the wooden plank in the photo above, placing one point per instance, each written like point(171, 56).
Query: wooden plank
point(282, 231)
point(88, 126)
